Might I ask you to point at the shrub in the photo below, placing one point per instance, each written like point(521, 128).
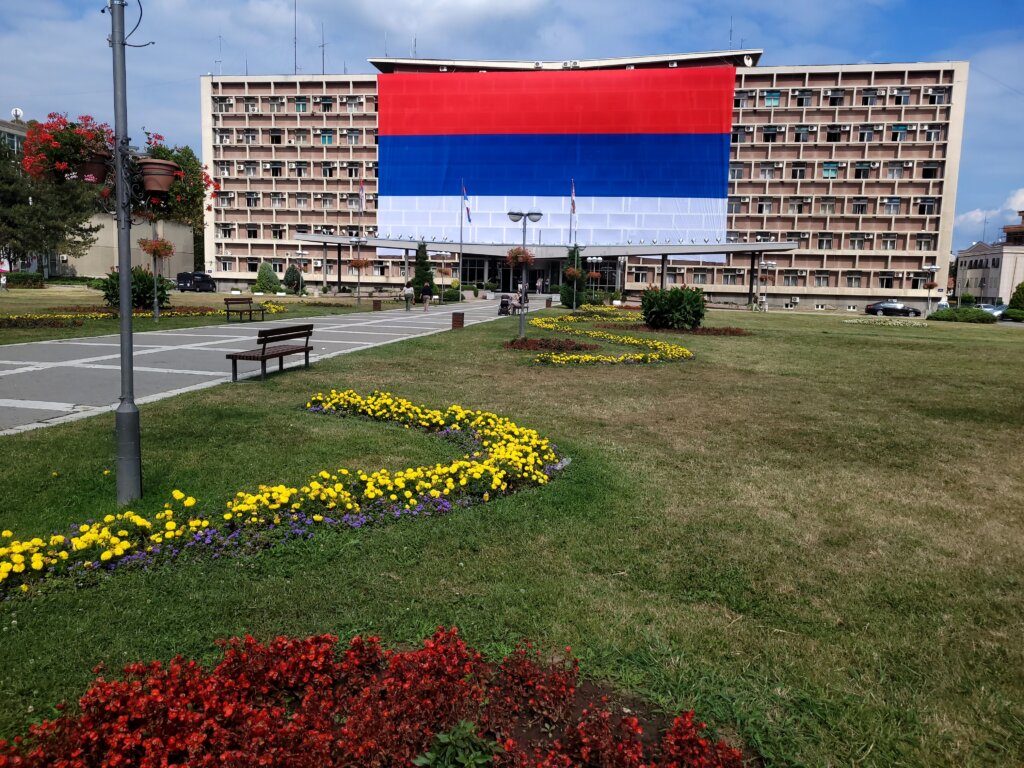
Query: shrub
point(142, 289)
point(673, 308)
point(490, 285)
point(967, 300)
point(292, 278)
point(39, 322)
point(1016, 315)
point(1017, 298)
point(25, 280)
point(452, 294)
point(963, 315)
point(266, 280)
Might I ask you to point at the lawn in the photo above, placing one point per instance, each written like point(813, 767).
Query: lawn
point(811, 534)
point(55, 298)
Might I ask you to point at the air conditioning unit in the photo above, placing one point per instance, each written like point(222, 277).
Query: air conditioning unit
point(912, 127)
point(878, 127)
point(828, 92)
point(442, 69)
point(807, 199)
point(744, 199)
point(795, 299)
point(794, 92)
point(291, 141)
point(899, 275)
point(805, 235)
point(894, 91)
point(802, 273)
point(240, 139)
point(840, 165)
point(317, 263)
point(239, 166)
point(538, 65)
point(869, 236)
point(929, 91)
point(812, 129)
point(748, 129)
point(673, 64)
point(845, 127)
point(574, 64)
point(874, 165)
point(63, 258)
point(566, 65)
point(778, 165)
point(318, 195)
point(908, 164)
point(266, 166)
point(291, 165)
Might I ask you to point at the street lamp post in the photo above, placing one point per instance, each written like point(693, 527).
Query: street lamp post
point(595, 264)
point(517, 216)
point(302, 263)
point(932, 268)
point(764, 266)
point(352, 242)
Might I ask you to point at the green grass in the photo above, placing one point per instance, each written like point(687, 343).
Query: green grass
point(811, 535)
point(55, 297)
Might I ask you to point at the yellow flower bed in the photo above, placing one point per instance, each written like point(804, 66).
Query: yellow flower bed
point(660, 351)
point(503, 457)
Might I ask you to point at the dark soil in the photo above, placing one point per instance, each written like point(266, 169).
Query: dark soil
point(550, 345)
point(723, 331)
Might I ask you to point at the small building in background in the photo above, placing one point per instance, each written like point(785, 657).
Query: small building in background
point(990, 271)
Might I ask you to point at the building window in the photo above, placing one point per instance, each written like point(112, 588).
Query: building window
point(797, 171)
point(251, 106)
point(930, 171)
point(853, 281)
point(222, 136)
point(856, 242)
point(860, 206)
point(767, 171)
point(223, 168)
point(301, 170)
point(801, 134)
point(866, 134)
point(899, 133)
point(326, 138)
point(894, 170)
point(302, 200)
point(327, 202)
point(869, 97)
point(353, 138)
point(731, 278)
point(253, 266)
point(825, 241)
point(926, 242)
point(300, 137)
point(739, 136)
point(326, 104)
point(803, 98)
point(888, 242)
point(771, 98)
point(276, 104)
point(764, 205)
point(833, 134)
point(277, 232)
point(250, 169)
point(277, 200)
point(796, 205)
point(252, 231)
point(300, 104)
point(225, 230)
point(862, 171)
point(353, 202)
point(699, 278)
point(739, 100)
point(736, 172)
point(277, 169)
point(733, 205)
point(252, 199)
point(830, 171)
point(327, 170)
point(828, 205)
point(937, 96)
point(902, 97)
point(222, 105)
point(276, 136)
point(353, 171)
point(353, 103)
point(891, 206)
point(933, 133)
point(926, 206)
point(769, 134)
point(821, 281)
point(836, 97)
point(885, 281)
point(250, 137)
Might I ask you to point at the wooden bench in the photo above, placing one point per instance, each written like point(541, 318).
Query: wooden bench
point(242, 307)
point(269, 336)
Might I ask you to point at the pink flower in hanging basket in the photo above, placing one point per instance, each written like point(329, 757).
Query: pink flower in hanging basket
point(519, 256)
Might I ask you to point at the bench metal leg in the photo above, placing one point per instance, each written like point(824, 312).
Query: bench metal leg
point(307, 358)
point(263, 369)
point(280, 364)
point(234, 370)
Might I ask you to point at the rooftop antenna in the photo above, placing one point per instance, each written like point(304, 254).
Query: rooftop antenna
point(730, 33)
point(247, 64)
point(323, 47)
point(295, 34)
point(385, 45)
point(414, 46)
point(984, 230)
point(220, 55)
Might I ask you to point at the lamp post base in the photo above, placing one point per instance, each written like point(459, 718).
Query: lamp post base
point(129, 452)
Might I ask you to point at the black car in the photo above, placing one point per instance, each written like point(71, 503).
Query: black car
point(196, 281)
point(891, 307)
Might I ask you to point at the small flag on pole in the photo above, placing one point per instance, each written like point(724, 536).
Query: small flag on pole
point(572, 206)
point(465, 200)
point(362, 196)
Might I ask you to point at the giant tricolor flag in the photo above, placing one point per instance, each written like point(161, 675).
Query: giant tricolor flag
point(649, 148)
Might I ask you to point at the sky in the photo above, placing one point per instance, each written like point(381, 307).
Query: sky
point(56, 56)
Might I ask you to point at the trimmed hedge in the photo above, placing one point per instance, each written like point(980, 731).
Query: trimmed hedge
point(963, 315)
point(675, 308)
point(1016, 315)
point(25, 280)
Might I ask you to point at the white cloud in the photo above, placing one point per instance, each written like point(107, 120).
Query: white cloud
point(981, 224)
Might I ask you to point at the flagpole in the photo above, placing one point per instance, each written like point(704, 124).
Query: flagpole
point(462, 214)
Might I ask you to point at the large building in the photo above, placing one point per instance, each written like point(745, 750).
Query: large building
point(856, 165)
point(991, 271)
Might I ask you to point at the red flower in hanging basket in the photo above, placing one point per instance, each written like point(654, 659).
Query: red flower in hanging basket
point(158, 247)
point(361, 263)
point(594, 275)
point(931, 285)
point(573, 274)
point(519, 256)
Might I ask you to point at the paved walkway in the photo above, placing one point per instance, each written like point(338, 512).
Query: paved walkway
point(50, 382)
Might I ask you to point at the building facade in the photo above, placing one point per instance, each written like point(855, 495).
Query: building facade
point(991, 271)
point(857, 165)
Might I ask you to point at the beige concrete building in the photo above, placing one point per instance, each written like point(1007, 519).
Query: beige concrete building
point(991, 271)
point(855, 164)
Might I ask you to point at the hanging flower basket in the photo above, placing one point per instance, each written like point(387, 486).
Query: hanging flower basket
point(594, 275)
point(158, 175)
point(95, 167)
point(361, 263)
point(573, 274)
point(158, 247)
point(519, 256)
point(931, 285)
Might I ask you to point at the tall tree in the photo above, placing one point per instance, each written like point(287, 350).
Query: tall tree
point(422, 273)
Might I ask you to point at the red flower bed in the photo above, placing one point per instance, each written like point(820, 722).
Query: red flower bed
point(725, 330)
point(550, 345)
point(294, 703)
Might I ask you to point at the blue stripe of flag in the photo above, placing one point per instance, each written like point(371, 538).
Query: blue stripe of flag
point(604, 165)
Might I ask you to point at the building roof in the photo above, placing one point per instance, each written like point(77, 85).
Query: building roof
point(748, 57)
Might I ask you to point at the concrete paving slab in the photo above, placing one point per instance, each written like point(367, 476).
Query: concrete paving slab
point(11, 418)
point(51, 353)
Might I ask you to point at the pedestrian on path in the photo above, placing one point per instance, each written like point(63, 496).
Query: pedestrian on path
point(408, 293)
point(3, 282)
point(426, 294)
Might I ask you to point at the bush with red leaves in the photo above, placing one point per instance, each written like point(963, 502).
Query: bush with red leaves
point(295, 703)
point(550, 345)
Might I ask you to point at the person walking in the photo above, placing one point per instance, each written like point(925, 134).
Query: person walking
point(408, 293)
point(426, 294)
point(3, 282)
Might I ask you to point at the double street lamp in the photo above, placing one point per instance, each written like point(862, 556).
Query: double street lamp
point(932, 268)
point(594, 263)
point(517, 216)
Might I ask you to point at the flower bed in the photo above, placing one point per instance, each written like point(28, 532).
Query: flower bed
point(660, 351)
point(299, 703)
point(106, 313)
point(550, 345)
point(886, 322)
point(726, 330)
point(24, 321)
point(501, 458)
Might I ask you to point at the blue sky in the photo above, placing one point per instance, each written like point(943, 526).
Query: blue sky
point(56, 56)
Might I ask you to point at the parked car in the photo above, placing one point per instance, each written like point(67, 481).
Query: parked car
point(994, 309)
point(196, 281)
point(892, 307)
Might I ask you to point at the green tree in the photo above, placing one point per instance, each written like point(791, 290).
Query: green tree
point(42, 217)
point(266, 280)
point(422, 273)
point(292, 278)
point(574, 288)
point(1017, 299)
